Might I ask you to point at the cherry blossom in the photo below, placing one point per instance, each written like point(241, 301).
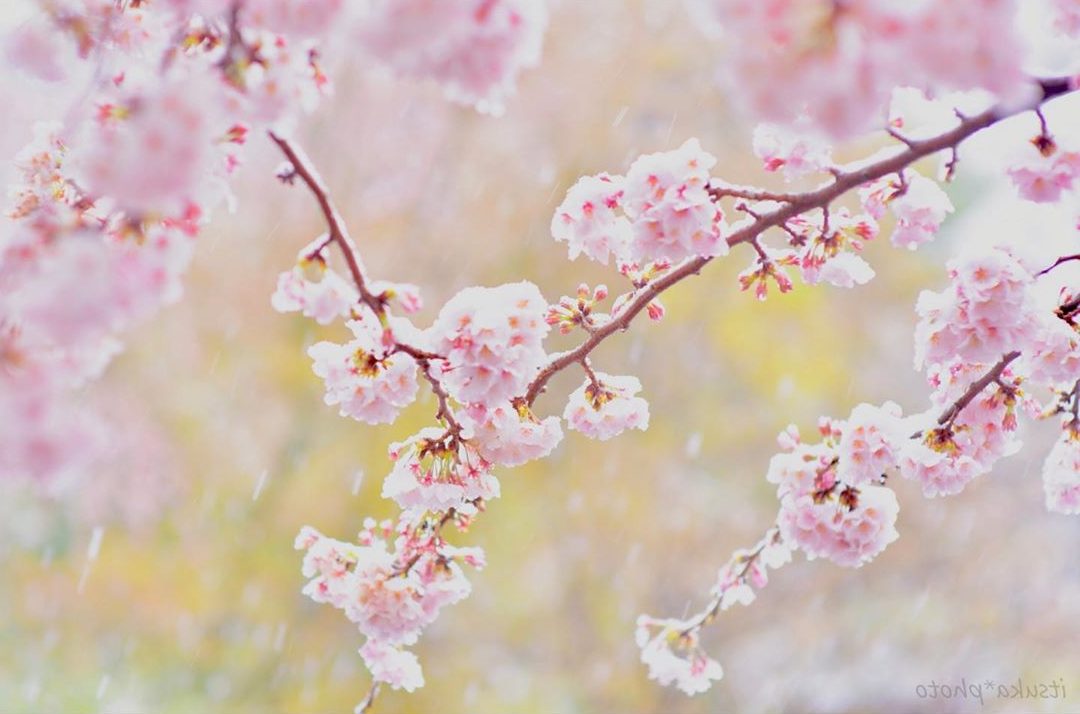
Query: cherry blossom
point(490, 339)
point(985, 311)
point(509, 436)
point(918, 204)
point(794, 153)
point(324, 300)
point(475, 49)
point(693, 672)
point(607, 406)
point(1046, 172)
point(850, 530)
point(397, 667)
point(667, 200)
point(868, 444)
point(1061, 472)
point(431, 474)
point(368, 382)
point(587, 220)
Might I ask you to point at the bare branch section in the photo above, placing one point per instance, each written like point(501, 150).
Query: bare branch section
point(303, 167)
point(793, 205)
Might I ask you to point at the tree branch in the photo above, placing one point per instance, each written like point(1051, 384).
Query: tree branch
point(843, 181)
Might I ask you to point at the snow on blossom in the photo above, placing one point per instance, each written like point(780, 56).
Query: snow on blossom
point(607, 407)
point(1061, 473)
point(986, 310)
point(503, 435)
point(795, 153)
point(323, 300)
point(868, 445)
point(370, 383)
point(845, 270)
point(396, 667)
point(691, 670)
point(475, 49)
point(802, 469)
point(849, 530)
point(390, 596)
point(431, 475)
point(491, 341)
point(668, 202)
point(588, 222)
point(284, 84)
point(919, 206)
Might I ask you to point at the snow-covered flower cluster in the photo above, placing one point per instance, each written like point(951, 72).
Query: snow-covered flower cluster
point(606, 406)
point(392, 584)
point(842, 513)
point(986, 310)
point(490, 340)
point(364, 377)
point(660, 210)
point(671, 650)
point(1046, 172)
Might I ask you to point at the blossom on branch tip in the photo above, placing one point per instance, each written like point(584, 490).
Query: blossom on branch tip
point(607, 407)
point(675, 658)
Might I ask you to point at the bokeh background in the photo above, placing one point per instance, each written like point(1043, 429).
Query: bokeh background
point(168, 583)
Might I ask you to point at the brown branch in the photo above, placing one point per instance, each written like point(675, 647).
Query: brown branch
point(844, 180)
point(1056, 263)
point(992, 375)
point(722, 190)
point(369, 700)
point(339, 233)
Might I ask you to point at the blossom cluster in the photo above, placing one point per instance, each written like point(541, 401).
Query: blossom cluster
point(836, 64)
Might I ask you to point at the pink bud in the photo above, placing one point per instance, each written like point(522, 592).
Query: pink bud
point(655, 310)
point(600, 293)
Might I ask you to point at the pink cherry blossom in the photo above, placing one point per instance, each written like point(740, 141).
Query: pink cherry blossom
point(430, 475)
point(1053, 356)
point(607, 407)
point(869, 442)
point(475, 49)
point(668, 202)
point(397, 667)
point(986, 311)
point(323, 299)
point(691, 670)
point(368, 382)
point(505, 436)
point(850, 530)
point(795, 153)
point(1061, 473)
point(298, 18)
point(151, 152)
point(1048, 172)
point(837, 64)
point(491, 339)
point(588, 222)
